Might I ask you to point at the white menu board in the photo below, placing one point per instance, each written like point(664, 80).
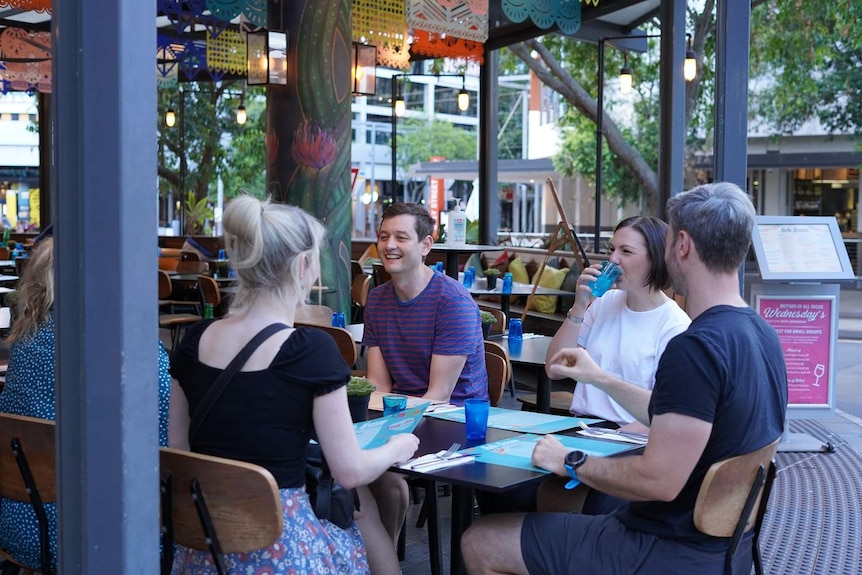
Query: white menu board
point(800, 248)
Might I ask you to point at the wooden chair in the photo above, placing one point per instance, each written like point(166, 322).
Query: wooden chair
point(733, 497)
point(342, 338)
point(380, 275)
point(192, 267)
point(499, 370)
point(210, 293)
point(28, 473)
point(496, 328)
point(359, 295)
point(189, 257)
point(5, 253)
point(175, 322)
point(215, 504)
point(314, 314)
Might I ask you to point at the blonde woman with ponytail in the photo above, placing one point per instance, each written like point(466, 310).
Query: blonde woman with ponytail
point(30, 391)
point(292, 384)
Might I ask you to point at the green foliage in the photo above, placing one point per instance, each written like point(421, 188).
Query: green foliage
point(207, 143)
point(360, 386)
point(198, 212)
point(488, 317)
point(418, 140)
point(812, 54)
point(491, 272)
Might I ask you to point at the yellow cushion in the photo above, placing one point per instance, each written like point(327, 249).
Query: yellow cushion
point(519, 274)
point(551, 278)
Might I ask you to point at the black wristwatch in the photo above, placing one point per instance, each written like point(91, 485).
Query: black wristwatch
point(574, 459)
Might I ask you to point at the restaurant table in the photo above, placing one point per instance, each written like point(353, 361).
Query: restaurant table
point(533, 351)
point(438, 434)
point(7, 278)
point(454, 252)
point(480, 287)
point(357, 330)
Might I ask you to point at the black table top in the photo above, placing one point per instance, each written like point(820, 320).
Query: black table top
point(437, 434)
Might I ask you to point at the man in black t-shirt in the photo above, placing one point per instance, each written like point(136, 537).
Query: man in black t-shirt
point(721, 391)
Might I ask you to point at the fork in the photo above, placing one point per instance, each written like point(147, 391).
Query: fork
point(451, 451)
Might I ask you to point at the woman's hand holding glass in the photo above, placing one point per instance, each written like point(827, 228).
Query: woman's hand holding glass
point(583, 293)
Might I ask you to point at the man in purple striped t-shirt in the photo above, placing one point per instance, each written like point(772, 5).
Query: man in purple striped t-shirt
point(423, 333)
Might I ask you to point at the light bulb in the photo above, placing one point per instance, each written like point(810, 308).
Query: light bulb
point(625, 80)
point(170, 118)
point(689, 68)
point(400, 107)
point(241, 116)
point(463, 100)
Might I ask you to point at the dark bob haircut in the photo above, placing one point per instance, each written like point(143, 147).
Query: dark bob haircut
point(654, 232)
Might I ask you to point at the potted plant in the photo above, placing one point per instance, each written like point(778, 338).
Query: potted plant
point(491, 275)
point(359, 391)
point(488, 320)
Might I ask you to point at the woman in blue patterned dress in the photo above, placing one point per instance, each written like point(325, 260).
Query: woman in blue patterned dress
point(292, 385)
point(29, 391)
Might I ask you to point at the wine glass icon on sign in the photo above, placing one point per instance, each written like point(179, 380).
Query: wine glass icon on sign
point(819, 370)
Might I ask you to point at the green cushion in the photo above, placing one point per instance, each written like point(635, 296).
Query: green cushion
point(475, 260)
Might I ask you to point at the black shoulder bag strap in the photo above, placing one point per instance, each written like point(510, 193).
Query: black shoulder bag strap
point(219, 385)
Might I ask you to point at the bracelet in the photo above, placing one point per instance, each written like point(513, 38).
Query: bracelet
point(573, 318)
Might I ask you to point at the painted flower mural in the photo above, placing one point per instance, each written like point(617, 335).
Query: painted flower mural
point(313, 147)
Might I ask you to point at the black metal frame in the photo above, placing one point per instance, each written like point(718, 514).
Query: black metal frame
point(38, 506)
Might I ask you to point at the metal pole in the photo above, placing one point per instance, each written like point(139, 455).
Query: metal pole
point(182, 161)
point(394, 137)
point(600, 112)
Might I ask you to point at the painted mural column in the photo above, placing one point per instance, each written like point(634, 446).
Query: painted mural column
point(308, 129)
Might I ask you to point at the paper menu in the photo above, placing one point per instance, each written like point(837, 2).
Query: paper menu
point(376, 432)
point(523, 421)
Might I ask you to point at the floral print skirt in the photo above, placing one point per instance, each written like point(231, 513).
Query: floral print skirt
point(307, 545)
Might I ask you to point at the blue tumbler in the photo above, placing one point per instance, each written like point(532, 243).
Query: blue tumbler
point(507, 283)
point(516, 336)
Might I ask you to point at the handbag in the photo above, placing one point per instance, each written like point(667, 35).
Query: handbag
point(329, 500)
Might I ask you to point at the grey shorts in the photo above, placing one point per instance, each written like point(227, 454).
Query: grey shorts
point(560, 543)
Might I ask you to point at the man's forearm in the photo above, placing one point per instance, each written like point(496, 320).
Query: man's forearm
point(632, 398)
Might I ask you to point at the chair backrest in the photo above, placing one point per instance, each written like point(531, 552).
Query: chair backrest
point(190, 257)
point(36, 437)
point(499, 370)
point(343, 339)
point(5, 254)
point(209, 290)
point(191, 267)
point(359, 289)
point(726, 490)
point(165, 287)
point(242, 499)
point(381, 276)
point(497, 313)
point(355, 269)
point(314, 314)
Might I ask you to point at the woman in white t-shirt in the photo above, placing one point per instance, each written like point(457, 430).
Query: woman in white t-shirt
point(625, 331)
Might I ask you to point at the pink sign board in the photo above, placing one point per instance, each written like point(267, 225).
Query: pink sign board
point(803, 325)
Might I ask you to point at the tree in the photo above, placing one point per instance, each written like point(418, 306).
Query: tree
point(566, 66)
point(421, 140)
point(809, 57)
point(212, 145)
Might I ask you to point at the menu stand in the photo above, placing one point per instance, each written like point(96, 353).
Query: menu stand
point(796, 256)
point(562, 235)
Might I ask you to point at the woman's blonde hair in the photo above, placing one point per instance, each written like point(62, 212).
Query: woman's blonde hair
point(265, 242)
point(34, 296)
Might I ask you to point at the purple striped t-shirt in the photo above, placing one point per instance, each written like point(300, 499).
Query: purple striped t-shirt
point(442, 320)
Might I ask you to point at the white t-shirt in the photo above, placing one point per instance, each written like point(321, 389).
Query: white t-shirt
point(627, 344)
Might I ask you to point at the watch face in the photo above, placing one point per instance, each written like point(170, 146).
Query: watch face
point(575, 458)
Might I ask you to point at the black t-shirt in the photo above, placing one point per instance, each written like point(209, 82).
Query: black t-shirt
point(727, 369)
point(263, 417)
